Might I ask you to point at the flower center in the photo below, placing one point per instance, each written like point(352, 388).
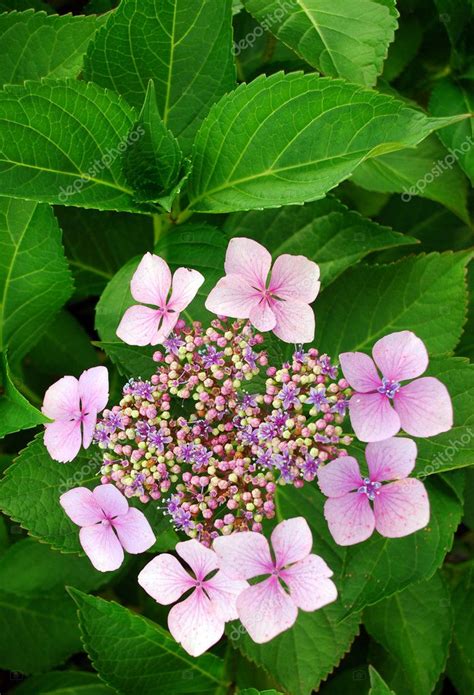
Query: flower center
point(370, 488)
point(389, 388)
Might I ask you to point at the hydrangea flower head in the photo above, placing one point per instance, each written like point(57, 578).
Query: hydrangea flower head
point(295, 578)
point(381, 405)
point(197, 622)
point(358, 505)
point(280, 304)
point(73, 404)
point(151, 284)
point(108, 525)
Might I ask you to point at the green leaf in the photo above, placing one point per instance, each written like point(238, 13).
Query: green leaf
point(371, 571)
point(377, 684)
point(303, 135)
point(428, 170)
point(460, 667)
point(42, 481)
point(37, 619)
point(252, 691)
point(169, 41)
point(152, 654)
point(369, 302)
point(448, 98)
point(341, 38)
point(202, 247)
point(414, 654)
point(40, 160)
point(64, 683)
point(312, 648)
point(34, 278)
point(130, 360)
point(39, 5)
point(98, 244)
point(37, 45)
point(405, 47)
point(64, 349)
point(325, 231)
point(16, 413)
point(152, 163)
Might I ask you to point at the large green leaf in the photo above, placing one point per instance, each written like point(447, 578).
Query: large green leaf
point(252, 691)
point(98, 244)
point(16, 413)
point(153, 659)
point(371, 571)
point(300, 658)
point(377, 684)
point(171, 42)
point(427, 170)
point(42, 481)
point(413, 627)
point(425, 294)
point(34, 278)
point(64, 683)
point(448, 98)
point(37, 619)
point(36, 45)
point(341, 38)
point(461, 656)
point(61, 141)
point(325, 231)
point(303, 135)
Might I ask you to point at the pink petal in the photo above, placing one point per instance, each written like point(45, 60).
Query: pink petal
point(223, 593)
point(102, 547)
point(94, 389)
point(139, 325)
point(110, 500)
point(202, 560)
point(295, 321)
point(151, 281)
point(232, 296)
point(166, 325)
point(63, 440)
point(391, 459)
point(373, 417)
point(400, 356)
point(262, 317)
point(249, 260)
point(81, 506)
point(424, 407)
point(185, 285)
point(243, 555)
point(89, 422)
point(195, 624)
point(291, 541)
point(134, 531)
point(309, 583)
point(296, 278)
point(350, 518)
point(165, 579)
point(360, 371)
point(266, 610)
point(339, 477)
point(401, 508)
point(61, 400)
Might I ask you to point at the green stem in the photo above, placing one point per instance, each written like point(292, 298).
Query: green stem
point(28, 393)
point(183, 216)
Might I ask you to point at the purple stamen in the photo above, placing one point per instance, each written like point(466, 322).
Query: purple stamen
point(370, 488)
point(389, 388)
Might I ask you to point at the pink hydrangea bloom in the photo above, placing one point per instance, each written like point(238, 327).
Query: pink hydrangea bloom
point(197, 622)
point(280, 304)
point(108, 525)
point(151, 284)
point(266, 609)
point(380, 405)
point(399, 508)
point(73, 404)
